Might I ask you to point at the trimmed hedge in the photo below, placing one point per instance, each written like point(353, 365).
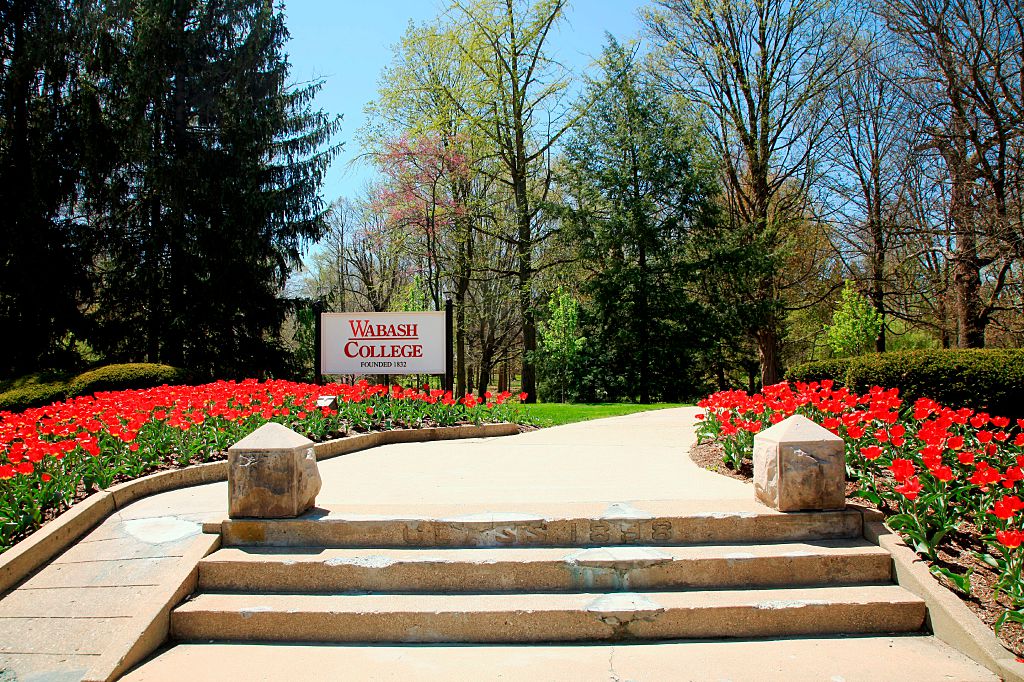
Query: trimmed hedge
point(124, 377)
point(108, 378)
point(32, 395)
point(834, 369)
point(991, 380)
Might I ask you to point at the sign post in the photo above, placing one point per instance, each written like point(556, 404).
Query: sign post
point(449, 351)
point(318, 309)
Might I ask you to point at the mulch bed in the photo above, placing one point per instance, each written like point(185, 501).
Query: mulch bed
point(957, 553)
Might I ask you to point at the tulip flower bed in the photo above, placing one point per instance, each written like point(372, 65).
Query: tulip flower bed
point(938, 473)
point(54, 455)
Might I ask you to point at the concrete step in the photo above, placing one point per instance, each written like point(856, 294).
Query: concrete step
point(852, 659)
point(323, 528)
point(543, 569)
point(547, 617)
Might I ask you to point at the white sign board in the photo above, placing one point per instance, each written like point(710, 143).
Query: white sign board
point(382, 343)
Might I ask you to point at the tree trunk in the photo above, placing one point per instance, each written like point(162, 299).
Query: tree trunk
point(519, 169)
point(768, 354)
point(643, 317)
point(529, 323)
point(485, 375)
point(970, 318)
point(967, 305)
point(461, 291)
point(16, 180)
point(504, 386)
point(174, 347)
point(877, 278)
point(460, 341)
point(152, 280)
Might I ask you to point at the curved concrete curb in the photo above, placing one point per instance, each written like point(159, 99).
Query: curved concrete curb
point(949, 618)
point(343, 446)
point(25, 557)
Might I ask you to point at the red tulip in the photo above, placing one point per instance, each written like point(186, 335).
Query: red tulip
point(871, 452)
point(1010, 538)
point(902, 469)
point(910, 489)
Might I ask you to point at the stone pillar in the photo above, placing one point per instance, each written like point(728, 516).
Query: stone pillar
point(799, 466)
point(272, 474)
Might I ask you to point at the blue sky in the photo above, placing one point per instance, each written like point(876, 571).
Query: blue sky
point(348, 43)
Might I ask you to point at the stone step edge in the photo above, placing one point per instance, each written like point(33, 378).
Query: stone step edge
point(728, 550)
point(816, 595)
point(574, 617)
point(526, 530)
point(539, 569)
point(596, 511)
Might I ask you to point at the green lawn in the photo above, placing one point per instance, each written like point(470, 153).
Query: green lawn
point(553, 414)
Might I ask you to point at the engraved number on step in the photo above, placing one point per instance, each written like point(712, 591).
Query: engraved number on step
point(600, 531)
point(506, 536)
point(630, 532)
point(414, 537)
point(534, 533)
point(661, 531)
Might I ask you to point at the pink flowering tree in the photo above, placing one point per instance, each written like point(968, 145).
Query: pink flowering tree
point(419, 196)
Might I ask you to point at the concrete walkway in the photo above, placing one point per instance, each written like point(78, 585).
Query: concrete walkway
point(820, 659)
point(91, 603)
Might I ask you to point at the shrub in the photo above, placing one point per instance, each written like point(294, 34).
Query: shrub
point(44, 376)
point(32, 391)
point(834, 369)
point(990, 379)
point(32, 395)
point(125, 377)
point(982, 379)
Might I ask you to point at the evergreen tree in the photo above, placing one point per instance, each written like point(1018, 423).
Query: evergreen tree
point(221, 162)
point(638, 195)
point(47, 124)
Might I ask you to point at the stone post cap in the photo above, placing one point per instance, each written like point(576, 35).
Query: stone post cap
point(272, 436)
point(272, 474)
point(797, 429)
point(799, 466)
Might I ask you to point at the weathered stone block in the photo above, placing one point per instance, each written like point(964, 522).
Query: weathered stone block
point(272, 474)
point(799, 466)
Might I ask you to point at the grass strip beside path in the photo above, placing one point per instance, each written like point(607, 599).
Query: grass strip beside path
point(555, 414)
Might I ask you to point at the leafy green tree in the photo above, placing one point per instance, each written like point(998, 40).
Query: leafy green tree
point(758, 70)
point(217, 185)
point(855, 325)
point(561, 346)
point(637, 194)
point(516, 106)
